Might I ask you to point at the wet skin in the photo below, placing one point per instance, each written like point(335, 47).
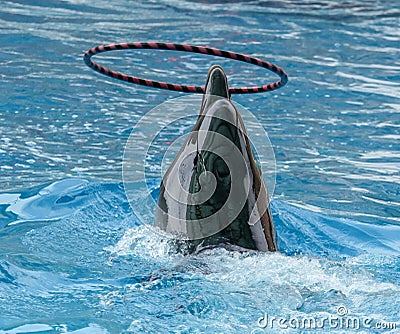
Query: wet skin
point(213, 193)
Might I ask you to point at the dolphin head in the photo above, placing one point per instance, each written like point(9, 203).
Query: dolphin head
point(214, 192)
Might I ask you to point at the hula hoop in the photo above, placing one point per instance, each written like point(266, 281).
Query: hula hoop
point(185, 48)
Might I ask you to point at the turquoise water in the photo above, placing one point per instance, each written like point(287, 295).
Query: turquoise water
point(73, 256)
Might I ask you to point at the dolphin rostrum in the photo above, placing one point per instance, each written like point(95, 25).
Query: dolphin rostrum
point(213, 192)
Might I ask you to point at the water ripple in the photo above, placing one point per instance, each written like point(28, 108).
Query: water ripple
point(73, 256)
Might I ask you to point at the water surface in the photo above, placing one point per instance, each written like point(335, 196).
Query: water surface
point(73, 256)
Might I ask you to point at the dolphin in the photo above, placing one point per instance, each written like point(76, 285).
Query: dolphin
point(213, 192)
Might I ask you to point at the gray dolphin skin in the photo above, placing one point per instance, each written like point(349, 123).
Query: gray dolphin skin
point(214, 193)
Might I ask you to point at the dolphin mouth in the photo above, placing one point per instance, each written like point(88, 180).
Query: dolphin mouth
point(216, 87)
point(217, 82)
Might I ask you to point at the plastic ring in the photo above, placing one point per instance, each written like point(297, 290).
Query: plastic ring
point(185, 48)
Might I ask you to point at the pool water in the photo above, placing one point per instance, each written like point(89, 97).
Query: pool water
point(74, 258)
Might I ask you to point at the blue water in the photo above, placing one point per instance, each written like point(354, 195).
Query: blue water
point(73, 256)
